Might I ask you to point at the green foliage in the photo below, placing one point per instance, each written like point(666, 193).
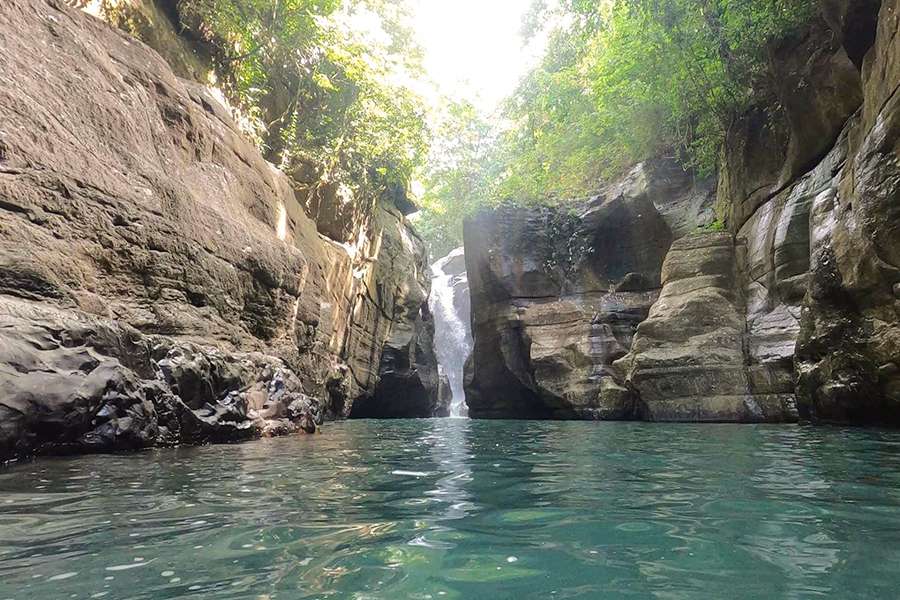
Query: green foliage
point(553, 142)
point(459, 175)
point(622, 81)
point(327, 82)
point(317, 85)
point(629, 79)
point(715, 226)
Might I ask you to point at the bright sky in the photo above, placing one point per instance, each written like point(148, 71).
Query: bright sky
point(473, 48)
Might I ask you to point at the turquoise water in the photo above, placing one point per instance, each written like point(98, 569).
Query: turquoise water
point(469, 510)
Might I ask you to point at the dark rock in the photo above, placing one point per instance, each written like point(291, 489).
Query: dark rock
point(64, 391)
point(635, 282)
point(684, 201)
point(625, 235)
point(409, 383)
point(751, 165)
point(855, 23)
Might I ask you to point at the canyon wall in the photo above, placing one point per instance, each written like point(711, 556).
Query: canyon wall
point(793, 311)
point(160, 282)
point(557, 292)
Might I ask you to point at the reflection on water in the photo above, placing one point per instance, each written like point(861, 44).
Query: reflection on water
point(470, 510)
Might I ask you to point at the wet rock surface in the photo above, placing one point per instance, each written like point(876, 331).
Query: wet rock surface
point(850, 328)
point(129, 195)
point(73, 382)
point(822, 251)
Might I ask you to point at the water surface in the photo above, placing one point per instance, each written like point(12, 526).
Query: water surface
point(470, 510)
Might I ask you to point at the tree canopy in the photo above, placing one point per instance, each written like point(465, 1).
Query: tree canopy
point(320, 79)
point(331, 82)
point(620, 81)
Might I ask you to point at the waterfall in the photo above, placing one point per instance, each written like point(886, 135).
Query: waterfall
point(452, 339)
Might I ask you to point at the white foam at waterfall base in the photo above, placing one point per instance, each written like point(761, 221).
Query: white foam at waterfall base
point(451, 340)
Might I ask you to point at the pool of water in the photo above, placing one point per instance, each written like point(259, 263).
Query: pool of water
point(469, 510)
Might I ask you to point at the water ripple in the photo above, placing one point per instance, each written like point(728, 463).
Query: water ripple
point(466, 510)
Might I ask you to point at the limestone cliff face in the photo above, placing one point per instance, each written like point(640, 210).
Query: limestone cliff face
point(848, 352)
point(817, 223)
point(153, 264)
point(557, 294)
point(688, 361)
point(793, 312)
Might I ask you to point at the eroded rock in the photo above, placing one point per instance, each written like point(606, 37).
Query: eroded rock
point(73, 382)
point(687, 362)
point(791, 311)
point(558, 293)
point(128, 194)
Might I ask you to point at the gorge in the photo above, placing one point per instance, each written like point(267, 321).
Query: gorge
point(683, 384)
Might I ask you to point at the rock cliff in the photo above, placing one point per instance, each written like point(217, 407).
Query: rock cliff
point(688, 359)
point(557, 294)
point(792, 312)
point(159, 281)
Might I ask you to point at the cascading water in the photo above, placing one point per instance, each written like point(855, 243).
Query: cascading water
point(452, 339)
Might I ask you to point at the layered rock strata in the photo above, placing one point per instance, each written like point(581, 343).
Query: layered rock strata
point(557, 293)
point(822, 227)
point(848, 352)
point(688, 362)
point(129, 196)
point(793, 310)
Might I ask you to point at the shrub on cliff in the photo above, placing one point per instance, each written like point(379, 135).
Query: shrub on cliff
point(320, 81)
